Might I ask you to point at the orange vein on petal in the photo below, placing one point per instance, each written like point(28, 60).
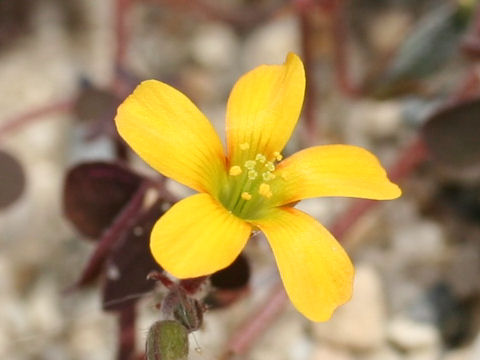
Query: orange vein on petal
point(197, 237)
point(333, 170)
point(263, 109)
point(315, 270)
point(168, 131)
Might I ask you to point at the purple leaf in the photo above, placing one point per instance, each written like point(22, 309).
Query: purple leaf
point(12, 179)
point(95, 193)
point(122, 223)
point(234, 276)
point(452, 136)
point(130, 262)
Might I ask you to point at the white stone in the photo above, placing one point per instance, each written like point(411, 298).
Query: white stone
point(384, 353)
point(379, 119)
point(360, 323)
point(411, 335)
point(215, 46)
point(419, 242)
point(270, 43)
point(324, 352)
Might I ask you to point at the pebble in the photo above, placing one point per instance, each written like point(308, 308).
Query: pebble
point(323, 352)
point(379, 119)
point(214, 46)
point(359, 324)
point(270, 43)
point(411, 335)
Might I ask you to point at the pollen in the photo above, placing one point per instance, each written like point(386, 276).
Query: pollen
point(264, 190)
point(246, 196)
point(250, 164)
point(261, 158)
point(252, 174)
point(270, 166)
point(267, 176)
point(277, 156)
point(244, 146)
point(235, 170)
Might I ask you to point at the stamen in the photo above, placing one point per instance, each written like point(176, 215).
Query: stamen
point(235, 170)
point(246, 196)
point(244, 146)
point(277, 156)
point(264, 190)
point(261, 158)
point(250, 164)
point(269, 165)
point(252, 174)
point(267, 176)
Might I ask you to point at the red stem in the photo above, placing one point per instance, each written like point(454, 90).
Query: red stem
point(244, 18)
point(121, 30)
point(249, 331)
point(126, 335)
point(339, 35)
point(39, 113)
point(311, 88)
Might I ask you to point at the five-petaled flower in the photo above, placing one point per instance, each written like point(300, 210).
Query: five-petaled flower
point(251, 187)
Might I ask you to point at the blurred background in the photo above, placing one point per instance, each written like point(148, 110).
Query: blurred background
point(400, 78)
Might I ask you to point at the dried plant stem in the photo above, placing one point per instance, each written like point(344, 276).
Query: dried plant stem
point(126, 335)
point(339, 35)
point(310, 103)
point(121, 30)
point(242, 18)
point(39, 113)
point(249, 331)
point(244, 337)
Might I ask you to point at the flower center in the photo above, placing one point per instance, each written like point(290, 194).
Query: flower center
point(249, 184)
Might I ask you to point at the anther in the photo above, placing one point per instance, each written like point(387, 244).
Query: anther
point(267, 176)
point(252, 174)
point(261, 158)
point(264, 190)
point(269, 165)
point(235, 170)
point(246, 196)
point(244, 146)
point(277, 156)
point(250, 164)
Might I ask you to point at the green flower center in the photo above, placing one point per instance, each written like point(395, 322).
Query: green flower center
point(248, 185)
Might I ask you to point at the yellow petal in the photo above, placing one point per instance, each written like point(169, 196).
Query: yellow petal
point(263, 109)
point(315, 270)
point(332, 170)
point(169, 132)
point(197, 236)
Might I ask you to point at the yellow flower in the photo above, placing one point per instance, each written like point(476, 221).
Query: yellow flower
point(250, 187)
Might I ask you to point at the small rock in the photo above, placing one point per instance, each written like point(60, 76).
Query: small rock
point(270, 43)
point(360, 323)
point(214, 46)
point(422, 241)
point(384, 353)
point(411, 335)
point(459, 354)
point(380, 119)
point(323, 352)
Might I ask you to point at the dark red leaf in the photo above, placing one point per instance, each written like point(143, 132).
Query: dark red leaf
point(234, 276)
point(93, 103)
point(130, 263)
point(95, 193)
point(12, 179)
point(453, 136)
point(129, 215)
point(231, 284)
